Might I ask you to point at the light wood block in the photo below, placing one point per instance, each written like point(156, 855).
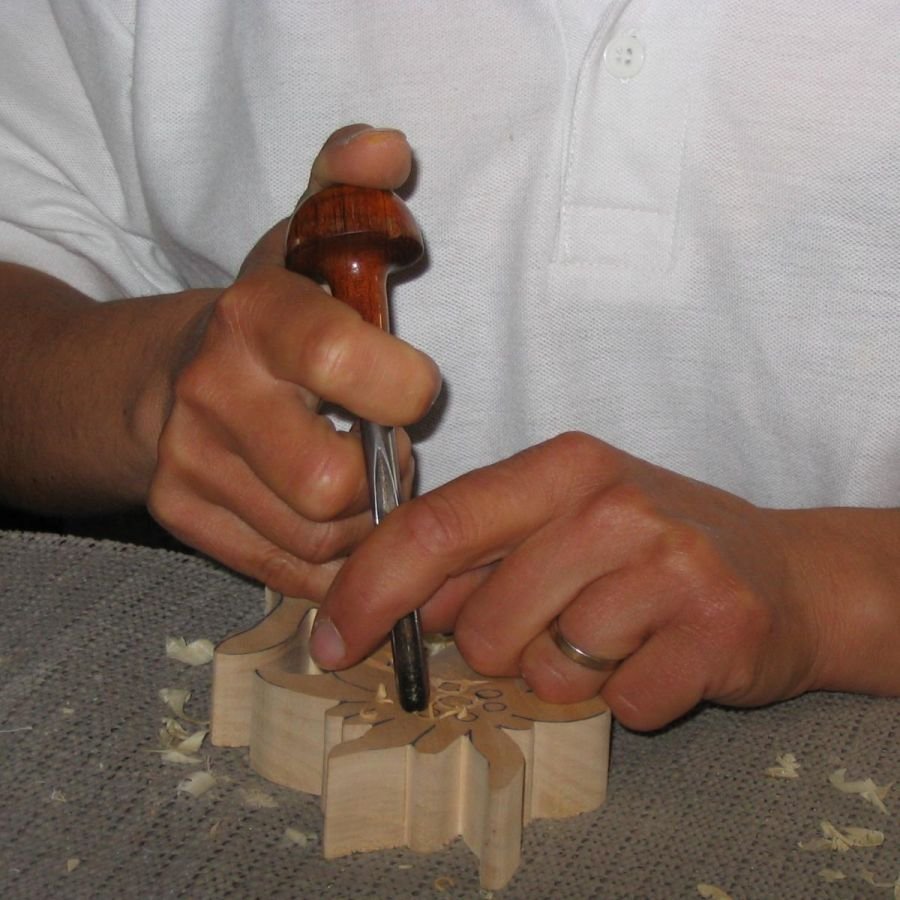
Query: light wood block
point(486, 757)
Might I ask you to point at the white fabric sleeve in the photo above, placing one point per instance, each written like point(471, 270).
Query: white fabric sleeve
point(71, 202)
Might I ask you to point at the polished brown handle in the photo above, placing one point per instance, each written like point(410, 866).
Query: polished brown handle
point(351, 238)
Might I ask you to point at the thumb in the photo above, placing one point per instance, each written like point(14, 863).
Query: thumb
point(361, 155)
point(354, 154)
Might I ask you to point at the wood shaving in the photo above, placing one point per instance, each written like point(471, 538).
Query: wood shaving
point(444, 883)
point(196, 784)
point(172, 733)
point(381, 695)
point(175, 699)
point(173, 736)
point(787, 767)
point(437, 642)
point(191, 744)
point(866, 788)
point(177, 745)
point(871, 879)
point(67, 710)
point(830, 875)
point(72, 863)
point(17, 729)
point(57, 796)
point(196, 653)
point(254, 798)
point(368, 714)
point(712, 892)
point(177, 758)
point(294, 837)
point(842, 841)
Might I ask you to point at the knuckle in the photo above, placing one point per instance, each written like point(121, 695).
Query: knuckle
point(172, 509)
point(436, 524)
point(585, 455)
point(480, 652)
point(687, 552)
point(624, 506)
point(238, 307)
point(579, 462)
point(330, 484)
point(195, 385)
point(573, 443)
point(288, 575)
point(325, 542)
point(330, 352)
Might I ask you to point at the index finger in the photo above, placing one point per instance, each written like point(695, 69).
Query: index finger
point(474, 520)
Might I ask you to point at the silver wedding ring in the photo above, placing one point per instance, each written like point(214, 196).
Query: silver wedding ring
point(576, 654)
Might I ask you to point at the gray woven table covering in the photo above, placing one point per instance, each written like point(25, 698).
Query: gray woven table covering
point(81, 661)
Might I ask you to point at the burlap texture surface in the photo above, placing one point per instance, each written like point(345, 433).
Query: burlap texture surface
point(82, 629)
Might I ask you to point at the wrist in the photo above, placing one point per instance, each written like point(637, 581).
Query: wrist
point(845, 573)
point(169, 327)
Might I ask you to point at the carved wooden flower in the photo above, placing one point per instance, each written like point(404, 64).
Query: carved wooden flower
point(485, 758)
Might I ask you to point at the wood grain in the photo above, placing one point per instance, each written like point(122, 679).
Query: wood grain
point(485, 759)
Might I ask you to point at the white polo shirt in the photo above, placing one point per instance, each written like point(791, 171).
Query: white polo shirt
point(673, 224)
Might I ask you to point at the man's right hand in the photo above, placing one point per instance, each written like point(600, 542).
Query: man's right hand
point(248, 469)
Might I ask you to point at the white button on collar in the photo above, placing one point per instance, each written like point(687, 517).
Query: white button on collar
point(624, 56)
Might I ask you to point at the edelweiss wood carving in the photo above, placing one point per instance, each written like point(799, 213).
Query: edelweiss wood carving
point(486, 757)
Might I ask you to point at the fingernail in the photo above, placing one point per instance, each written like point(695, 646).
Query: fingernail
point(372, 134)
point(326, 644)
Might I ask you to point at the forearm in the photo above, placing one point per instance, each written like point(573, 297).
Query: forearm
point(84, 387)
point(847, 562)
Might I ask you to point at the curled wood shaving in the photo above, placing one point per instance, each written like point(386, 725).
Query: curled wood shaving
point(191, 744)
point(712, 892)
point(381, 695)
point(196, 784)
point(787, 767)
point(434, 643)
point(254, 798)
point(830, 875)
point(444, 883)
point(173, 736)
point(177, 745)
point(177, 758)
point(866, 788)
point(172, 733)
point(294, 837)
point(57, 796)
point(175, 699)
point(869, 877)
point(368, 714)
point(842, 841)
point(196, 653)
point(72, 863)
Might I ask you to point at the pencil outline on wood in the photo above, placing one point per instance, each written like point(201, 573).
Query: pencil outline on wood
point(486, 758)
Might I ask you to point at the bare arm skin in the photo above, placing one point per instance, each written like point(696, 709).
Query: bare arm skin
point(164, 400)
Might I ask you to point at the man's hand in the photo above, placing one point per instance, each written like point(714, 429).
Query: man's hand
point(205, 403)
point(700, 594)
point(248, 469)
